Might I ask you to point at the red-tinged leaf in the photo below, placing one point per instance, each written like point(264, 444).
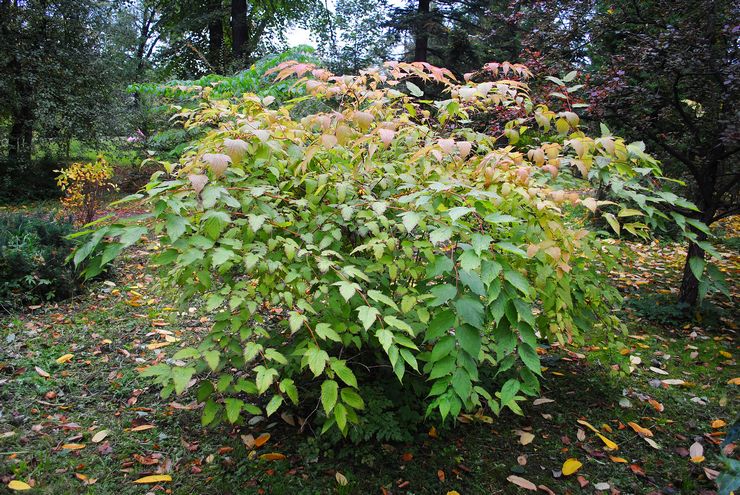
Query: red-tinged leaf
point(521, 482)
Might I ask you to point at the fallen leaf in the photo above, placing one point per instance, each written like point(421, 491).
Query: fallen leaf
point(440, 475)
point(99, 436)
point(453, 492)
point(617, 459)
point(581, 435)
point(248, 440)
point(587, 425)
point(65, 358)
point(637, 470)
point(541, 400)
point(272, 456)
point(658, 370)
point(407, 457)
point(645, 432)
point(73, 446)
point(433, 432)
point(522, 460)
point(610, 445)
point(521, 482)
point(546, 489)
point(570, 466)
point(341, 479)
point(673, 381)
point(525, 437)
point(652, 443)
point(261, 440)
point(656, 405)
point(41, 372)
point(696, 452)
point(602, 486)
point(157, 478)
point(18, 486)
point(718, 423)
point(734, 381)
point(711, 474)
point(142, 428)
point(582, 481)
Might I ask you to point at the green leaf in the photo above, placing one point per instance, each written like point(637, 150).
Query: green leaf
point(399, 324)
point(470, 311)
point(442, 348)
point(459, 212)
point(441, 323)
point(380, 297)
point(274, 404)
point(340, 415)
point(209, 412)
point(221, 256)
point(367, 315)
point(181, 377)
point(344, 372)
point(440, 235)
point(472, 281)
point(352, 399)
point(517, 280)
point(212, 357)
point(325, 331)
point(329, 391)
point(347, 289)
point(613, 222)
point(461, 384)
point(697, 266)
point(410, 220)
point(509, 391)
point(233, 409)
point(287, 386)
point(175, 226)
point(469, 339)
point(317, 359)
point(510, 248)
point(529, 357)
point(414, 89)
point(442, 294)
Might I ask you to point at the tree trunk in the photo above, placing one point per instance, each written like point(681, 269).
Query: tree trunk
point(421, 35)
point(239, 30)
point(20, 139)
point(215, 37)
point(689, 293)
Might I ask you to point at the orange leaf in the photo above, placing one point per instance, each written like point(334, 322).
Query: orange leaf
point(261, 440)
point(618, 459)
point(440, 475)
point(640, 430)
point(273, 456)
point(718, 423)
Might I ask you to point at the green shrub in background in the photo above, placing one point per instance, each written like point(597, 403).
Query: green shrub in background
point(33, 253)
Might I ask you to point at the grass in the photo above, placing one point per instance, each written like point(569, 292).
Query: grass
point(109, 328)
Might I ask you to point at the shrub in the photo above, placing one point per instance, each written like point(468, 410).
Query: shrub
point(382, 239)
point(85, 186)
point(33, 250)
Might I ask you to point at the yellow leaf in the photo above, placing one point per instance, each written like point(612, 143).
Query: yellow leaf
point(453, 492)
point(618, 459)
point(157, 345)
point(18, 486)
point(726, 354)
point(718, 423)
point(341, 479)
point(142, 428)
point(606, 428)
point(734, 381)
point(570, 466)
point(640, 430)
point(697, 460)
point(610, 445)
point(273, 456)
point(157, 478)
point(73, 446)
point(587, 425)
point(65, 358)
point(433, 432)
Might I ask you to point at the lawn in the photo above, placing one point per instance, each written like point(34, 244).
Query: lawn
point(75, 417)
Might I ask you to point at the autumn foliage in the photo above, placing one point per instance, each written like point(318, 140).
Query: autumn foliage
point(382, 238)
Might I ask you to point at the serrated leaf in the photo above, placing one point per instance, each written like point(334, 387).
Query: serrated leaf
point(329, 393)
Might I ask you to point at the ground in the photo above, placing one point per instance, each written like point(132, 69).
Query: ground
point(75, 417)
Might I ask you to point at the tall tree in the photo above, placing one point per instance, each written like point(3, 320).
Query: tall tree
point(669, 70)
